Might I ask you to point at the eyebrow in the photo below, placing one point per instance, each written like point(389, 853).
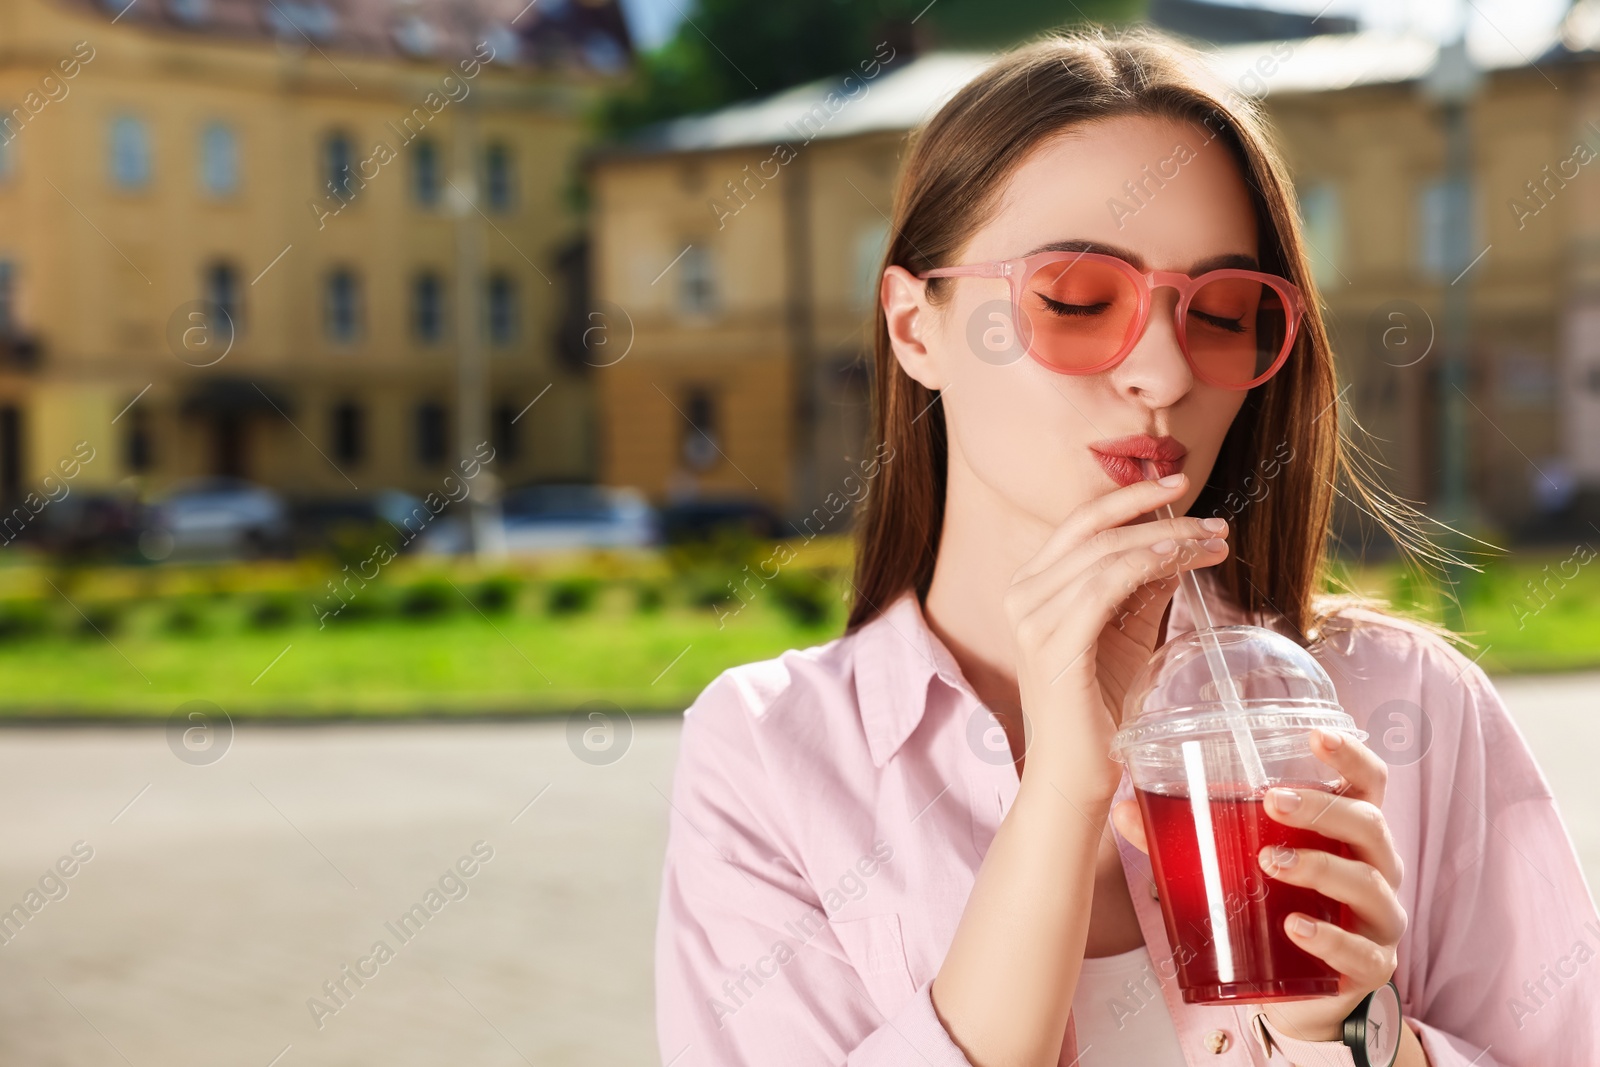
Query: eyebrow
point(1227, 259)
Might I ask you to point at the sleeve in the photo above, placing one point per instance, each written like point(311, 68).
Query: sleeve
point(748, 969)
point(1507, 974)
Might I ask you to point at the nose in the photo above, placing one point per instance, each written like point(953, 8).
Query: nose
point(1155, 372)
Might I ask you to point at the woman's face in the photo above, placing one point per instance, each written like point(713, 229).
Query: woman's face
point(1026, 433)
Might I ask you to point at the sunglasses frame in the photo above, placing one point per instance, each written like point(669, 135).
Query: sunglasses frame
point(1019, 271)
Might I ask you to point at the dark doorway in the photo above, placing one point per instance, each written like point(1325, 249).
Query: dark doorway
point(10, 452)
point(229, 447)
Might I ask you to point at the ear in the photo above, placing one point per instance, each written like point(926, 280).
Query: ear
point(910, 318)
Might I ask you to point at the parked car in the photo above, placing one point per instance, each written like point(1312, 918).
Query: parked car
point(217, 517)
point(92, 524)
point(701, 518)
point(359, 521)
point(542, 518)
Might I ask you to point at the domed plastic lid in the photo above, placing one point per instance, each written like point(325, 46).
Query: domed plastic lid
point(1280, 686)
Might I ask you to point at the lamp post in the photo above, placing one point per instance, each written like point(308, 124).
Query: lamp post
point(1452, 84)
point(484, 535)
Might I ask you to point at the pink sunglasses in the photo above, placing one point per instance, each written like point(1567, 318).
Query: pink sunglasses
point(1082, 312)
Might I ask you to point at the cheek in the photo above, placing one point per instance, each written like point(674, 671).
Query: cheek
point(1023, 430)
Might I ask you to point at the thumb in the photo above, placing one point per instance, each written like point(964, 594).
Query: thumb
point(1130, 824)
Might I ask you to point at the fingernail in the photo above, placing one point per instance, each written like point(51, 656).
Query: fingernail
point(1213, 544)
point(1214, 525)
point(1303, 926)
point(1284, 800)
point(1332, 739)
point(1161, 548)
point(1170, 481)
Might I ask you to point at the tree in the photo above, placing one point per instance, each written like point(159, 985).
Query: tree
point(730, 50)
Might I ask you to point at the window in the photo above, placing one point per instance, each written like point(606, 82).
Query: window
point(698, 443)
point(502, 309)
point(191, 12)
point(8, 148)
point(337, 159)
point(697, 290)
point(130, 153)
point(137, 453)
point(8, 299)
point(1446, 238)
point(427, 307)
point(499, 184)
point(219, 160)
point(503, 431)
point(342, 314)
point(222, 290)
point(871, 241)
point(431, 444)
point(1323, 227)
point(427, 176)
point(349, 432)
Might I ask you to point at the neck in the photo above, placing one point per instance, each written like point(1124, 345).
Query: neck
point(982, 542)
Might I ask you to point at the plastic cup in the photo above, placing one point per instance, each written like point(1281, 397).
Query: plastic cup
point(1206, 827)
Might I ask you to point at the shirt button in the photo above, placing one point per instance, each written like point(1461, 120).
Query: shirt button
point(1218, 1041)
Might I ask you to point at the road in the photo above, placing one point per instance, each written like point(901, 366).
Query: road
point(218, 899)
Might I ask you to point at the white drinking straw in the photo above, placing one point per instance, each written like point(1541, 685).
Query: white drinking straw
point(1255, 772)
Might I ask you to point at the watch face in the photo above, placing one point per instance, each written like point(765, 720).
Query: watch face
point(1383, 1027)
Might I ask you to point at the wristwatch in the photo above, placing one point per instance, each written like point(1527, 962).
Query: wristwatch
point(1371, 1036)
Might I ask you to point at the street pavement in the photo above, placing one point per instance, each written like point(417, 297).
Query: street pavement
point(212, 907)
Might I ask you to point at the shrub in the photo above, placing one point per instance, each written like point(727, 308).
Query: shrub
point(804, 598)
point(498, 594)
point(428, 599)
point(20, 619)
point(272, 611)
point(98, 620)
point(571, 595)
point(185, 618)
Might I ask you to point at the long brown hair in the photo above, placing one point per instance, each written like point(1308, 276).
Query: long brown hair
point(950, 183)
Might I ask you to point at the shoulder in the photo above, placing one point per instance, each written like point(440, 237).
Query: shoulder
point(1371, 642)
point(796, 705)
point(1406, 681)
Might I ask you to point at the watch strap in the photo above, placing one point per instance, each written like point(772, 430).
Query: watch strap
point(1302, 1053)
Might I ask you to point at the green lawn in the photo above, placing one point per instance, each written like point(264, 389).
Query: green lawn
point(1541, 612)
point(463, 663)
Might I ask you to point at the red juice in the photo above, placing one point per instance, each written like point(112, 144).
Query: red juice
point(1254, 959)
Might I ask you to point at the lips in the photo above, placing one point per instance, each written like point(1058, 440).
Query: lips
point(1120, 456)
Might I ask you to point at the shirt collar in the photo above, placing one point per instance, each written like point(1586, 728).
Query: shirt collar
point(897, 657)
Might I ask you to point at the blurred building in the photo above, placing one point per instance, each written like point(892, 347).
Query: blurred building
point(230, 236)
point(743, 246)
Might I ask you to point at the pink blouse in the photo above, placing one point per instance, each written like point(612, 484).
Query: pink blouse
point(832, 806)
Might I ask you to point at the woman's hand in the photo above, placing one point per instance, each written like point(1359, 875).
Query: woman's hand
point(1364, 956)
point(1085, 611)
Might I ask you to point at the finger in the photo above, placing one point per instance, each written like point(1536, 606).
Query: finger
point(1115, 508)
point(1359, 885)
point(1366, 963)
point(1366, 775)
point(1357, 823)
point(1029, 593)
point(1073, 621)
point(1130, 824)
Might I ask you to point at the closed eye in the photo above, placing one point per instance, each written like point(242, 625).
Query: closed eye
point(1230, 325)
point(1056, 307)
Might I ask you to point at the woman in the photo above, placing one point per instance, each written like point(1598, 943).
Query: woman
point(857, 872)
